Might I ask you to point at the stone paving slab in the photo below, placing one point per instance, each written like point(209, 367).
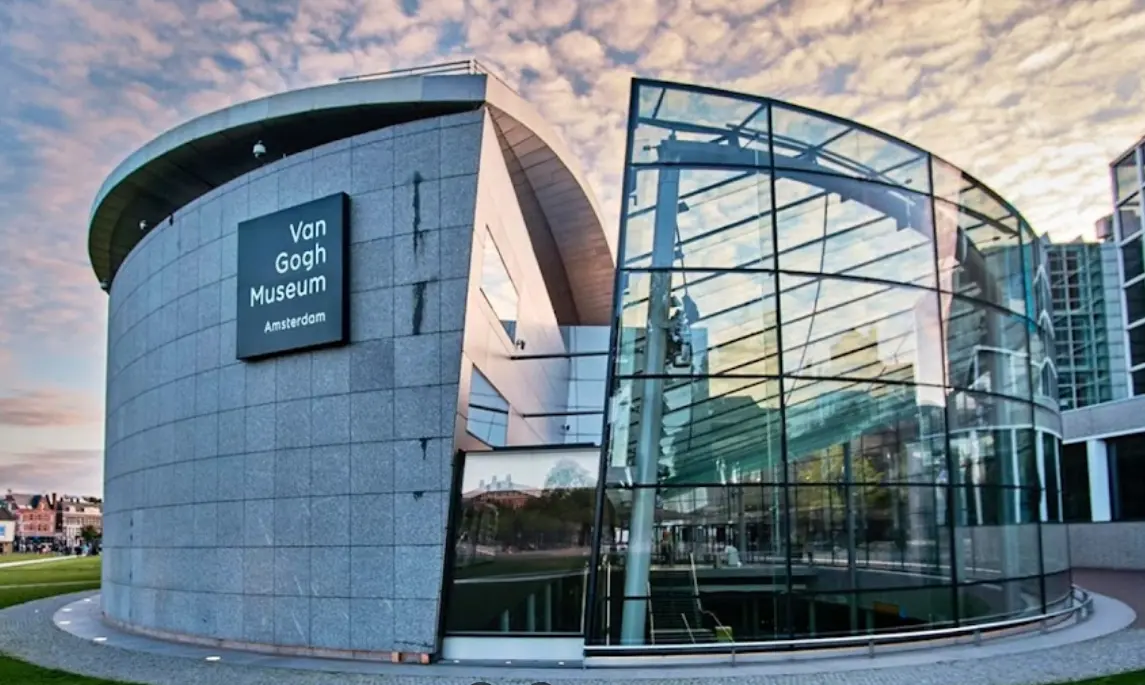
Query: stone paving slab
point(27, 632)
point(1127, 586)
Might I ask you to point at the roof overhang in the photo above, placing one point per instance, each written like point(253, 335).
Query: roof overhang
point(200, 155)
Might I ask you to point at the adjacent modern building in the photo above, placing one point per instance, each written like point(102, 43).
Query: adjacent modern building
point(1085, 298)
point(382, 380)
point(1128, 181)
point(1103, 458)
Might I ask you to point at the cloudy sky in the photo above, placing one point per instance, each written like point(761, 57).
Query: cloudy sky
point(1033, 96)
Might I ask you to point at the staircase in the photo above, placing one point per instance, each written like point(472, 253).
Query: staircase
point(677, 617)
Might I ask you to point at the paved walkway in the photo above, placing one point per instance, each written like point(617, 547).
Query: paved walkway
point(29, 562)
point(1127, 586)
point(27, 631)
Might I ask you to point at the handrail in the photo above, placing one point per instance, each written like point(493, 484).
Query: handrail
point(695, 582)
point(696, 589)
point(608, 594)
point(470, 66)
point(651, 617)
point(688, 627)
point(1081, 603)
point(583, 596)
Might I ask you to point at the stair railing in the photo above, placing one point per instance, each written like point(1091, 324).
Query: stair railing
point(608, 604)
point(688, 626)
point(651, 619)
point(699, 604)
point(584, 596)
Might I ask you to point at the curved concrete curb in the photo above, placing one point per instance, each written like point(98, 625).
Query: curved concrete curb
point(1094, 648)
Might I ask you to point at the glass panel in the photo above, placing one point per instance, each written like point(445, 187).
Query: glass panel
point(521, 541)
point(954, 186)
point(1135, 302)
point(1042, 369)
point(1131, 259)
point(807, 141)
point(498, 287)
point(1127, 469)
point(1075, 483)
point(713, 431)
point(979, 259)
point(1052, 492)
point(722, 218)
point(1055, 547)
point(715, 530)
point(675, 123)
point(853, 329)
point(1125, 180)
point(991, 601)
point(1059, 588)
point(1129, 217)
point(885, 610)
point(897, 532)
point(994, 552)
point(989, 439)
point(726, 322)
point(838, 225)
point(488, 412)
point(986, 347)
point(1137, 345)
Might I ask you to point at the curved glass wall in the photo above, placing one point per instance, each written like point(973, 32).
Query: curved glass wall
point(832, 396)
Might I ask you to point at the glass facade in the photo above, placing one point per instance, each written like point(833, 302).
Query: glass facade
point(1085, 297)
point(1128, 193)
point(832, 391)
point(498, 288)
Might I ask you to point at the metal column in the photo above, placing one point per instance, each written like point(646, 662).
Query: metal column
point(638, 563)
point(849, 517)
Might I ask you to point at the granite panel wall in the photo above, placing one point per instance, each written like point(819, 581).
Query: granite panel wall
point(299, 501)
point(1113, 545)
point(1103, 420)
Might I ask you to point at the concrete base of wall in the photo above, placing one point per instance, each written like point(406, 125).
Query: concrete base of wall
point(1114, 545)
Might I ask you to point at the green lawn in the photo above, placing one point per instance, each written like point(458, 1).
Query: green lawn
point(21, 556)
point(26, 583)
point(76, 570)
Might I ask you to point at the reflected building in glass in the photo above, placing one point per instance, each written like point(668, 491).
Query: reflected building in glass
point(833, 402)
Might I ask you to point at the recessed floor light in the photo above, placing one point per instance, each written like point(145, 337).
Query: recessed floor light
point(99, 639)
point(67, 610)
point(213, 658)
point(65, 623)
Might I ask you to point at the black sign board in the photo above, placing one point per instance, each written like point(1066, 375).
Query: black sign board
point(293, 279)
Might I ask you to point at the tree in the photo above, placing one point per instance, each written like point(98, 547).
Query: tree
point(89, 534)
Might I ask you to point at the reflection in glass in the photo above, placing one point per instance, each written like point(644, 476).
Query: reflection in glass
point(488, 412)
point(856, 329)
point(521, 540)
point(832, 382)
point(498, 287)
point(1125, 178)
point(1129, 217)
point(837, 225)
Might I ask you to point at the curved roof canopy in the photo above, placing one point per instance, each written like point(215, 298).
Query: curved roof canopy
point(200, 155)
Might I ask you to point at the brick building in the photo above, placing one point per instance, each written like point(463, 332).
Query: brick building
point(73, 514)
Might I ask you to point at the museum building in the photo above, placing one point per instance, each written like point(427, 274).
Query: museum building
point(383, 380)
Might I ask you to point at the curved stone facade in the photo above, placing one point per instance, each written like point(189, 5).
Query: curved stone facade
point(299, 502)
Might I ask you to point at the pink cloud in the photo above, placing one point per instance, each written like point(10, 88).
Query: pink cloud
point(47, 408)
